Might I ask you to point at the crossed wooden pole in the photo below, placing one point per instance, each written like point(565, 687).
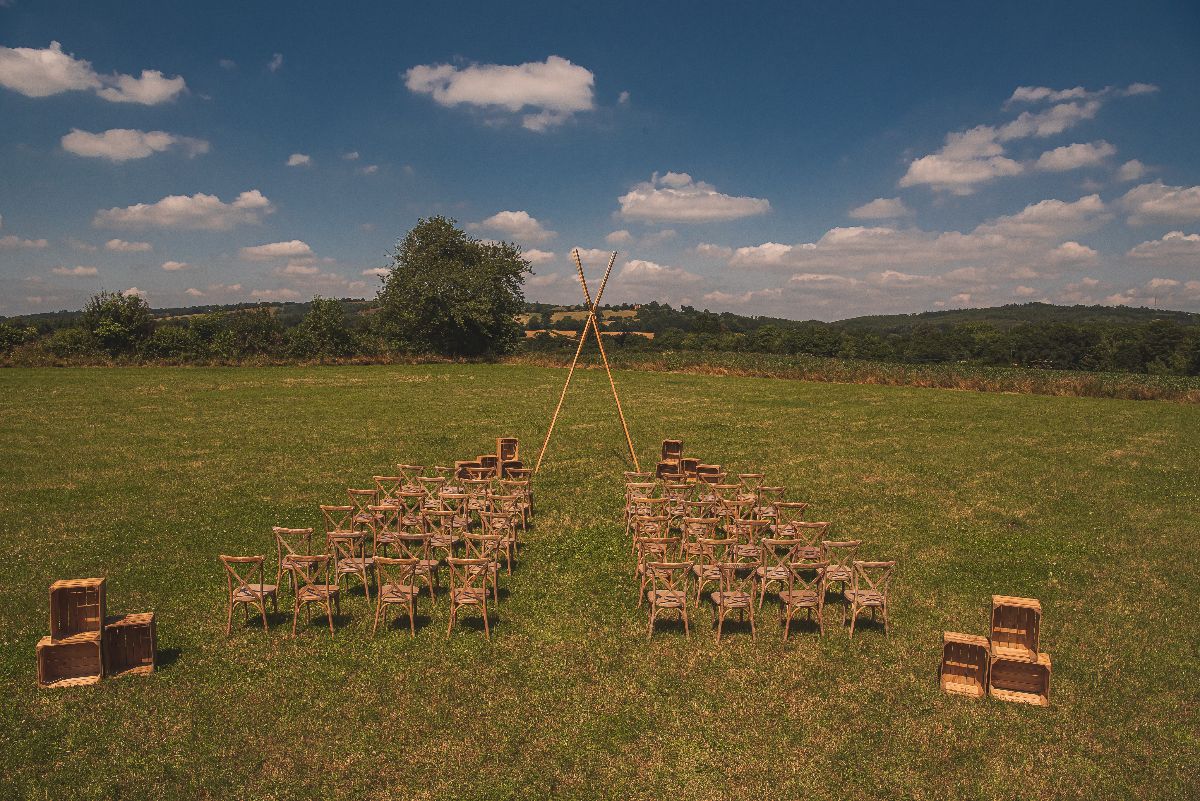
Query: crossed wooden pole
point(592, 323)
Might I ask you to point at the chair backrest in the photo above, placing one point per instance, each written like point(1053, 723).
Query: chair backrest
point(520, 473)
point(669, 575)
point(388, 488)
point(872, 576)
point(808, 534)
point(431, 485)
point(751, 481)
point(778, 553)
point(310, 570)
point(637, 478)
point(242, 571)
point(413, 545)
point(699, 508)
point(337, 518)
point(693, 529)
point(748, 532)
point(289, 541)
point(481, 473)
point(726, 492)
point(342, 547)
point(840, 555)
point(637, 490)
point(651, 525)
point(394, 572)
point(477, 488)
point(498, 523)
point(789, 512)
point(453, 501)
point(506, 504)
point(808, 576)
point(482, 546)
point(440, 520)
point(385, 520)
point(363, 498)
point(661, 549)
point(411, 502)
point(514, 486)
point(740, 509)
point(440, 471)
point(410, 472)
point(736, 577)
point(650, 507)
point(713, 551)
point(465, 573)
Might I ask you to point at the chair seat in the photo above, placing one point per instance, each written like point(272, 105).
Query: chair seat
point(837, 575)
point(732, 600)
point(668, 599)
point(469, 595)
point(428, 565)
point(253, 592)
point(747, 551)
point(799, 598)
point(491, 568)
point(808, 552)
point(765, 573)
point(865, 597)
point(398, 593)
point(317, 592)
point(707, 572)
point(355, 564)
point(444, 540)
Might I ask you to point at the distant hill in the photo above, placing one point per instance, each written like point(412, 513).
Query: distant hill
point(1016, 314)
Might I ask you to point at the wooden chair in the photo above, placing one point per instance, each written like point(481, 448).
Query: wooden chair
point(312, 577)
point(750, 483)
point(388, 489)
point(511, 504)
point(652, 549)
point(805, 590)
point(749, 535)
point(385, 528)
point(869, 590)
point(396, 587)
point(520, 488)
point(240, 575)
point(362, 500)
point(486, 546)
point(477, 490)
point(501, 524)
point(445, 534)
point(338, 519)
point(468, 587)
point(765, 506)
point(637, 478)
point(694, 529)
point(416, 545)
point(431, 486)
point(777, 558)
point(808, 535)
point(412, 504)
point(840, 556)
point(706, 566)
point(350, 561)
point(787, 515)
point(668, 590)
point(736, 594)
point(410, 472)
point(288, 543)
point(642, 526)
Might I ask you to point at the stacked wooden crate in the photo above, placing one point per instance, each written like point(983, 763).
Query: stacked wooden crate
point(85, 644)
point(1007, 665)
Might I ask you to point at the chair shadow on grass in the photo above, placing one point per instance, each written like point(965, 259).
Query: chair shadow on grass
point(166, 657)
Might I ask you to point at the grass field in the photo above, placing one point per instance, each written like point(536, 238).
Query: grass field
point(145, 475)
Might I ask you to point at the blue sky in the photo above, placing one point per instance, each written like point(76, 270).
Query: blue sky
point(807, 160)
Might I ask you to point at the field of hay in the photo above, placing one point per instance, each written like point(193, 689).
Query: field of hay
point(144, 475)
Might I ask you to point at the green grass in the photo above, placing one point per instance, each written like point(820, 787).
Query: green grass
point(145, 475)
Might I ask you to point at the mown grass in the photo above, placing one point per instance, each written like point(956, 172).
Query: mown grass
point(144, 475)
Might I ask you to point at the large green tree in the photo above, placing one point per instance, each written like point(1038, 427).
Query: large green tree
point(452, 294)
point(117, 321)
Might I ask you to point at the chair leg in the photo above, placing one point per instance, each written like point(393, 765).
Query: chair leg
point(229, 619)
point(295, 615)
point(683, 611)
point(650, 626)
point(378, 609)
point(487, 631)
point(853, 617)
point(412, 619)
point(262, 607)
point(453, 615)
point(329, 614)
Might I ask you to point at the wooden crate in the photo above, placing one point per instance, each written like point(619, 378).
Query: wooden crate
point(1016, 627)
point(965, 663)
point(1019, 681)
point(672, 450)
point(507, 449)
point(688, 467)
point(509, 464)
point(667, 469)
point(71, 661)
point(460, 468)
point(488, 460)
point(130, 644)
point(76, 607)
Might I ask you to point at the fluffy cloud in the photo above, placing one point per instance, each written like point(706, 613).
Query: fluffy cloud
point(967, 158)
point(1174, 249)
point(881, 208)
point(175, 266)
point(299, 160)
point(638, 271)
point(552, 91)
point(297, 269)
point(121, 246)
point(1073, 157)
point(275, 63)
point(12, 242)
point(535, 256)
point(370, 169)
point(275, 294)
point(518, 225)
point(124, 144)
point(351, 156)
point(1131, 170)
point(377, 272)
point(198, 212)
point(134, 291)
point(740, 299)
point(676, 197)
point(38, 72)
point(620, 237)
point(76, 272)
point(277, 250)
point(1156, 202)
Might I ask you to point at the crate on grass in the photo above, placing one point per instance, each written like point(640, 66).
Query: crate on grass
point(965, 663)
point(1020, 681)
point(70, 661)
point(130, 644)
point(76, 607)
point(1016, 627)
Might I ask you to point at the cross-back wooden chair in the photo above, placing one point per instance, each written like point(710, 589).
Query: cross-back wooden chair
point(441, 471)
point(501, 524)
point(765, 506)
point(711, 552)
point(668, 583)
point(787, 514)
point(805, 590)
point(750, 482)
point(411, 504)
point(699, 508)
point(396, 586)
point(414, 544)
point(643, 526)
point(338, 519)
point(288, 543)
point(694, 529)
point(520, 488)
point(456, 501)
point(468, 588)
point(840, 555)
point(713, 477)
point(632, 477)
point(749, 535)
point(388, 489)
point(312, 581)
point(481, 473)
point(350, 561)
point(635, 493)
point(735, 595)
point(511, 504)
point(445, 534)
point(431, 485)
point(486, 546)
point(477, 490)
point(411, 472)
point(644, 507)
point(777, 558)
point(809, 535)
point(869, 584)
point(244, 580)
point(385, 528)
point(362, 500)
point(649, 549)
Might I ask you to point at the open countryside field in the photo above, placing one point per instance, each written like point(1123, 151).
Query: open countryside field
point(145, 475)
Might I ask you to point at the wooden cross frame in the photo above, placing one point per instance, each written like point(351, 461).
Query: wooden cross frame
point(592, 323)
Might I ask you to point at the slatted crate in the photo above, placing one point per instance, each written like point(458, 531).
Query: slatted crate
point(688, 467)
point(460, 468)
point(130, 644)
point(76, 607)
point(672, 450)
point(1019, 681)
point(1016, 627)
point(509, 464)
point(70, 661)
point(507, 449)
point(667, 468)
point(965, 663)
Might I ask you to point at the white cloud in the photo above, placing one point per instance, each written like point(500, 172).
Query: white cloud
point(638, 271)
point(198, 212)
point(535, 256)
point(1038, 94)
point(80, 271)
point(124, 144)
point(370, 169)
point(1022, 291)
point(274, 294)
point(734, 299)
point(38, 72)
point(710, 251)
point(881, 208)
point(351, 156)
point(1131, 170)
point(121, 246)
point(593, 256)
point(1072, 253)
point(149, 90)
point(1053, 120)
point(553, 91)
point(134, 291)
point(275, 63)
point(675, 197)
point(291, 249)
point(12, 241)
point(623, 98)
point(298, 268)
point(299, 160)
point(518, 225)
point(1073, 157)
point(658, 237)
point(227, 64)
point(378, 272)
point(1139, 89)
point(620, 237)
point(1155, 202)
point(967, 158)
point(191, 291)
point(175, 266)
point(1175, 249)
